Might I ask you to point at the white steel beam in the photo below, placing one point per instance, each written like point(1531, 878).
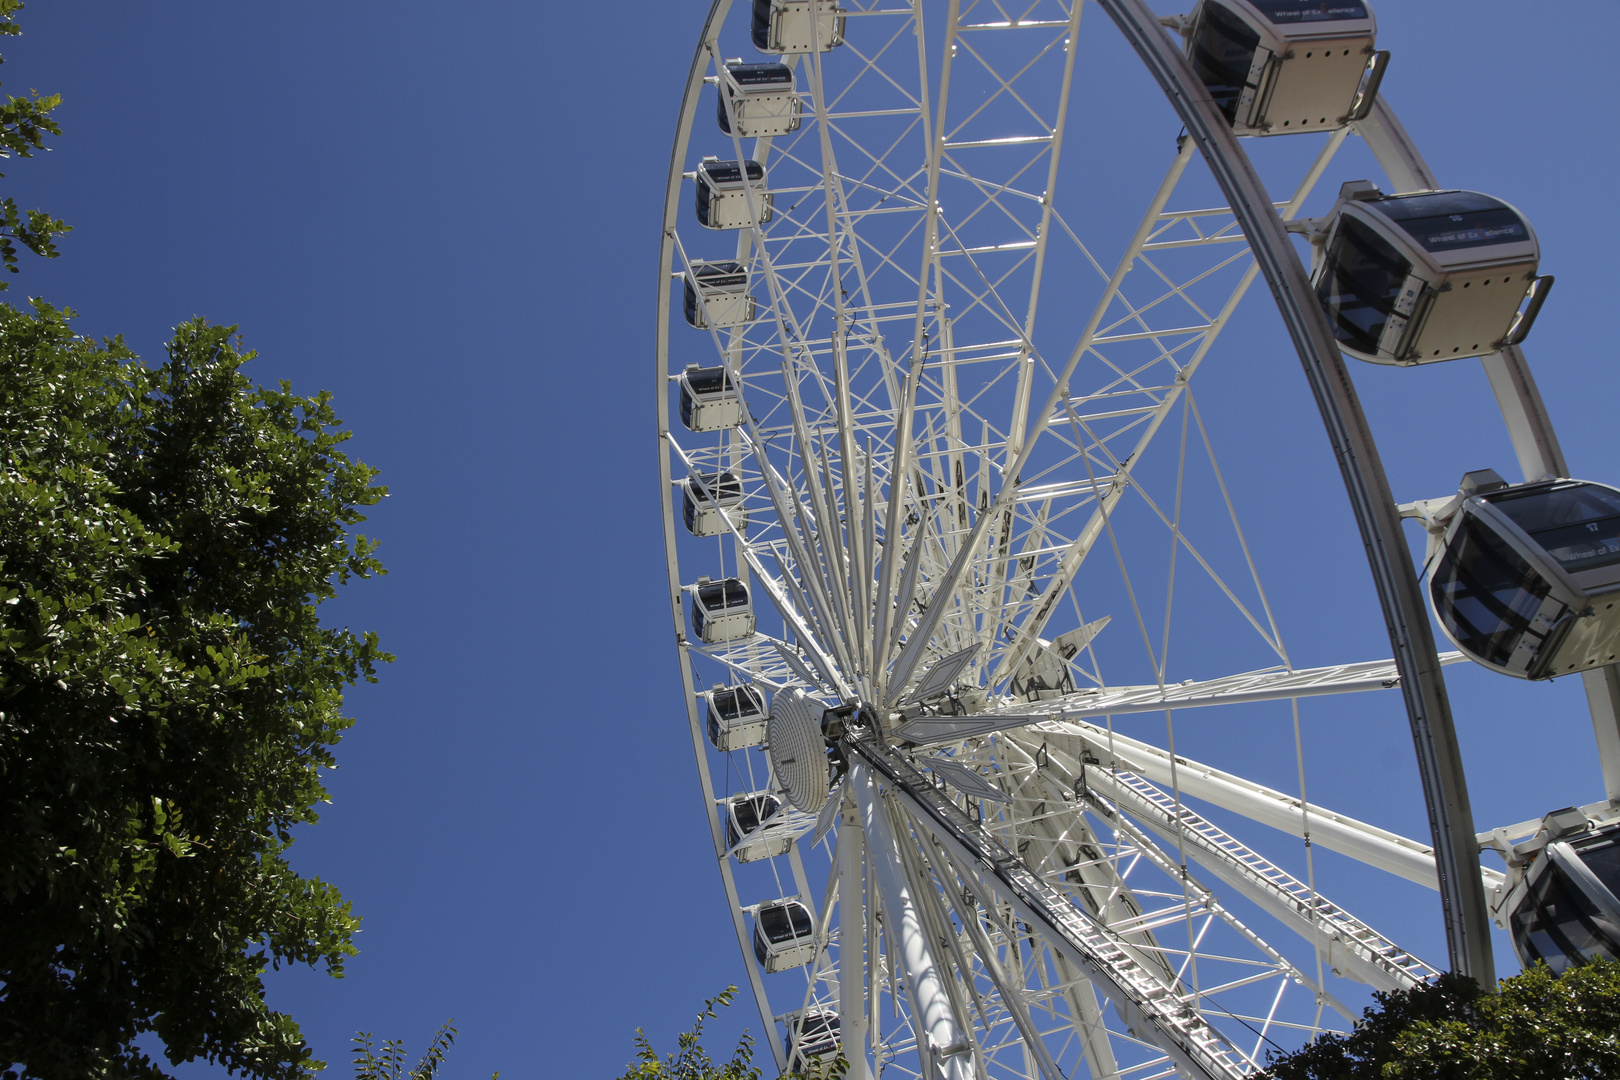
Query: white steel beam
point(1153, 1010)
point(938, 1035)
point(1349, 946)
point(1254, 686)
point(1337, 832)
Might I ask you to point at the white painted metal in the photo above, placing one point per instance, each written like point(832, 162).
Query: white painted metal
point(1349, 946)
point(1535, 443)
point(1096, 703)
point(943, 1042)
point(852, 977)
point(929, 472)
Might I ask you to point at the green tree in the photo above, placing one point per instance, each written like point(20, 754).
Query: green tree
point(1538, 1026)
point(168, 697)
point(388, 1063)
point(24, 123)
point(691, 1061)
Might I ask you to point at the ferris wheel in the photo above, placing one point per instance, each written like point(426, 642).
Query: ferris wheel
point(952, 549)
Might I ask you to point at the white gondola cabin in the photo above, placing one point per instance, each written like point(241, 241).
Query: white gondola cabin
point(785, 26)
point(1566, 910)
point(1431, 276)
point(721, 610)
point(784, 935)
point(717, 295)
point(762, 98)
point(737, 717)
point(709, 399)
point(754, 830)
point(724, 195)
point(1277, 67)
point(1527, 580)
point(818, 1033)
point(709, 501)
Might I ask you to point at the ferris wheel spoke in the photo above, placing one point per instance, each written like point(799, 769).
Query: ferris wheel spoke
point(905, 664)
point(1338, 832)
point(1350, 947)
point(1179, 903)
point(890, 503)
point(1187, 1038)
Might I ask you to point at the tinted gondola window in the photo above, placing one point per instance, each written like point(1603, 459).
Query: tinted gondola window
point(727, 172)
point(761, 28)
point(818, 1031)
point(761, 74)
point(1603, 859)
point(715, 486)
point(1557, 923)
point(717, 275)
point(750, 812)
point(1286, 12)
point(1222, 51)
point(1485, 592)
point(1579, 526)
point(708, 380)
point(719, 595)
point(1360, 284)
point(817, 1034)
point(732, 703)
point(1452, 220)
point(785, 923)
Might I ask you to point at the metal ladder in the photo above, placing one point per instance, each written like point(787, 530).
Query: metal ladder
point(1357, 940)
point(1154, 1009)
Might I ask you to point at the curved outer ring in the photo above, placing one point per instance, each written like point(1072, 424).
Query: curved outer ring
point(1395, 578)
point(666, 260)
point(1428, 710)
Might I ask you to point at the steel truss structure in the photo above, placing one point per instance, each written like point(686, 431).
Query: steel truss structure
point(980, 504)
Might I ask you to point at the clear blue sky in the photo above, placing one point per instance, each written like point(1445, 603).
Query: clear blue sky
point(447, 215)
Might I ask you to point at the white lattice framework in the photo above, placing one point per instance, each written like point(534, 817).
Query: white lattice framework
point(973, 423)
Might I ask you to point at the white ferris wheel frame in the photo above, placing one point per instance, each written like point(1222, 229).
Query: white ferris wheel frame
point(1070, 739)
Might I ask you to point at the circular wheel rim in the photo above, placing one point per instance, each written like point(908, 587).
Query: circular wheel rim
point(886, 843)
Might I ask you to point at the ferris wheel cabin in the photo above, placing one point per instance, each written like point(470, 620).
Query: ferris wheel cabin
point(784, 935)
point(1528, 578)
point(721, 610)
point(1431, 276)
point(785, 26)
point(737, 717)
point(818, 1033)
point(722, 288)
point(709, 399)
point(724, 190)
point(1566, 910)
point(762, 97)
point(711, 500)
point(1277, 67)
point(752, 833)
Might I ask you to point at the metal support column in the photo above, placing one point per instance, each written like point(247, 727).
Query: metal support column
point(938, 1036)
point(852, 940)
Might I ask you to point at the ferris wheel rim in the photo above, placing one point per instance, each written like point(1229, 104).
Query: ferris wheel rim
point(688, 113)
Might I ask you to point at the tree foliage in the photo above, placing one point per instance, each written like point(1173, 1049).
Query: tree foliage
point(691, 1061)
point(388, 1062)
point(168, 697)
point(1538, 1026)
point(24, 123)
